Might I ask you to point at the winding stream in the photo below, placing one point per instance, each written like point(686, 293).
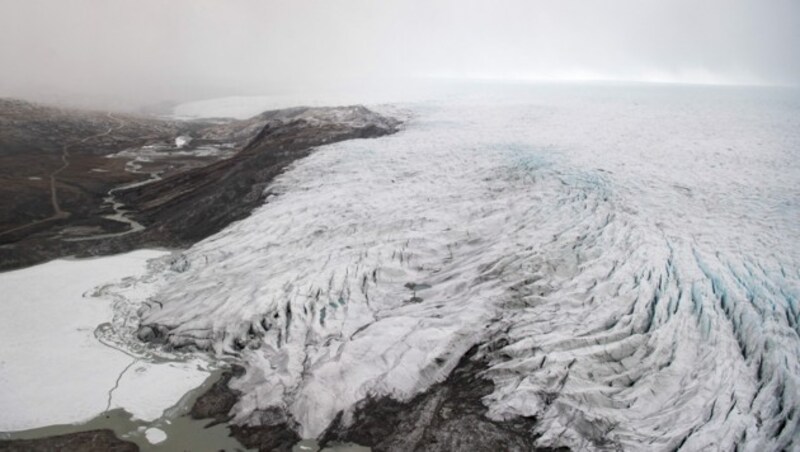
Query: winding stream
point(120, 213)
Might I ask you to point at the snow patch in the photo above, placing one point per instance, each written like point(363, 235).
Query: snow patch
point(182, 141)
point(155, 435)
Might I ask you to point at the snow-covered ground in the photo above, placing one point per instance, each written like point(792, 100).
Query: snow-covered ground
point(632, 254)
point(54, 369)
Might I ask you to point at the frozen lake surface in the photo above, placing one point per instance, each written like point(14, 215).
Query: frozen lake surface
point(630, 254)
point(54, 367)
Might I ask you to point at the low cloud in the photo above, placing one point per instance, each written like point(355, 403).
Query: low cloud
point(147, 51)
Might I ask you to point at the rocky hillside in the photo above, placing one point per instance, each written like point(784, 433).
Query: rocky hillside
point(88, 183)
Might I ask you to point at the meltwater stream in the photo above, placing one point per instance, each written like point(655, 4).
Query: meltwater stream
point(629, 257)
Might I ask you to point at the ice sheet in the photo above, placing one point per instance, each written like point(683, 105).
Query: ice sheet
point(631, 253)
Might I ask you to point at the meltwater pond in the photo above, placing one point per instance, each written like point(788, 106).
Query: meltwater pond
point(628, 255)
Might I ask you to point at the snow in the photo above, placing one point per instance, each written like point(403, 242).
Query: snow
point(54, 370)
point(155, 435)
point(153, 153)
point(182, 141)
point(631, 253)
point(147, 389)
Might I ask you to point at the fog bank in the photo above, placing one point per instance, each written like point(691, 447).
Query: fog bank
point(136, 53)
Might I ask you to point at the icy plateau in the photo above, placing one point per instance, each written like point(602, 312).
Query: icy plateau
point(627, 259)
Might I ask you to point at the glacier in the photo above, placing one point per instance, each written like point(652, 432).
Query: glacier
point(626, 257)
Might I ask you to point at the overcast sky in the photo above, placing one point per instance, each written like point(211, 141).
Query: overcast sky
point(151, 50)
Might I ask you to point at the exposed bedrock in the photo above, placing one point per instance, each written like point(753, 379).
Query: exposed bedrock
point(178, 193)
point(276, 431)
point(193, 205)
point(90, 441)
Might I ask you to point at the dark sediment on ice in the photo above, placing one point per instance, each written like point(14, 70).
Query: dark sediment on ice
point(449, 416)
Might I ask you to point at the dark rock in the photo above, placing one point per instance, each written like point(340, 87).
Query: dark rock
point(450, 416)
point(265, 438)
point(195, 198)
point(276, 432)
point(217, 402)
point(146, 333)
point(89, 441)
point(154, 334)
point(190, 206)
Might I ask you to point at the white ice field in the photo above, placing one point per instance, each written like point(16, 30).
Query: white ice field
point(53, 368)
point(631, 253)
